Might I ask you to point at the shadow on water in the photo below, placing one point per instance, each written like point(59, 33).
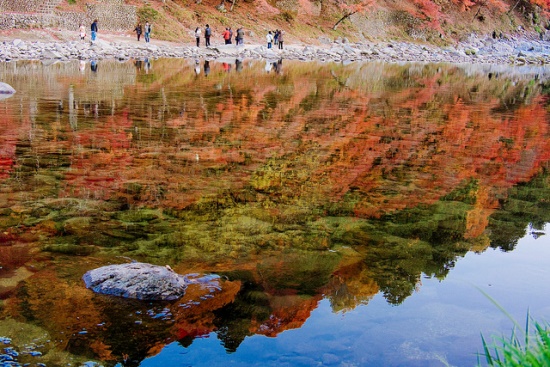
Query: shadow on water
point(330, 181)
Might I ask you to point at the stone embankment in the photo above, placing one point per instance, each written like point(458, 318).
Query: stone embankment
point(520, 50)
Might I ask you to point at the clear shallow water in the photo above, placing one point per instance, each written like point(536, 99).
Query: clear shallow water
point(442, 321)
point(353, 211)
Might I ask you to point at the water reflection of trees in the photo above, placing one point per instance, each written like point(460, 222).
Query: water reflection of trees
point(428, 240)
point(334, 181)
point(526, 206)
point(391, 255)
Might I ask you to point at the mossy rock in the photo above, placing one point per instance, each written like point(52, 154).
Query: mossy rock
point(69, 249)
point(140, 215)
point(9, 221)
point(5, 211)
point(25, 337)
point(80, 226)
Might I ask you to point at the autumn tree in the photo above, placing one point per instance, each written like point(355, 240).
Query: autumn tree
point(429, 11)
point(544, 4)
point(349, 8)
point(469, 4)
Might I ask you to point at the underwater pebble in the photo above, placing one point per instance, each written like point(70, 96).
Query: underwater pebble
point(91, 364)
point(11, 352)
point(6, 358)
point(330, 359)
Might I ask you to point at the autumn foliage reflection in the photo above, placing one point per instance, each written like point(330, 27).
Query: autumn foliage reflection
point(312, 181)
point(316, 137)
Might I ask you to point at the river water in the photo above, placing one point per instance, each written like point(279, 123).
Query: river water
point(361, 214)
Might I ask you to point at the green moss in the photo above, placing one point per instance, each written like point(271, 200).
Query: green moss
point(147, 14)
point(8, 221)
point(287, 16)
point(69, 249)
point(26, 335)
point(139, 215)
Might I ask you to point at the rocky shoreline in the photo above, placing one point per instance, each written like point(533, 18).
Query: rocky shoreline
point(509, 50)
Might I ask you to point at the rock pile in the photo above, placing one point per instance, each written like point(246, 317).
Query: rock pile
point(521, 50)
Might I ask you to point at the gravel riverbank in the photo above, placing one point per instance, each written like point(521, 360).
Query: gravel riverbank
point(520, 49)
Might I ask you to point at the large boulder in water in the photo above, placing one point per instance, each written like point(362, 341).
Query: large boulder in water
point(137, 280)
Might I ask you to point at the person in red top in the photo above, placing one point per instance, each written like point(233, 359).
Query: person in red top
point(227, 36)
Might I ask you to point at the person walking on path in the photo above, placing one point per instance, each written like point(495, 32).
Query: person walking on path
point(227, 36)
point(82, 30)
point(198, 36)
point(240, 36)
point(93, 28)
point(147, 32)
point(207, 34)
point(281, 39)
point(269, 39)
point(276, 37)
point(138, 30)
point(230, 36)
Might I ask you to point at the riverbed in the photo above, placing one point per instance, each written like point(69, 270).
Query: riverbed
point(356, 214)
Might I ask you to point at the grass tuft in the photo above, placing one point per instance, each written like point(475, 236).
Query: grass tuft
point(529, 347)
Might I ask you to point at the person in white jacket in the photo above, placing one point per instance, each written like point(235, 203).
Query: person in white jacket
point(198, 36)
point(82, 30)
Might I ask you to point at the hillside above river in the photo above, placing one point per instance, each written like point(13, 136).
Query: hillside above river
point(441, 22)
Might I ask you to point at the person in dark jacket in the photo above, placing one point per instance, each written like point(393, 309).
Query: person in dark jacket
point(207, 34)
point(240, 36)
point(93, 28)
point(138, 30)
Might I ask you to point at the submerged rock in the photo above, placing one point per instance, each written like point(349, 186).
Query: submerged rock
point(52, 55)
point(6, 90)
point(137, 280)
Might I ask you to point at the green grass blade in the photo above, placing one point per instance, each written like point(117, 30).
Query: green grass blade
point(527, 329)
point(500, 308)
point(530, 350)
point(488, 357)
